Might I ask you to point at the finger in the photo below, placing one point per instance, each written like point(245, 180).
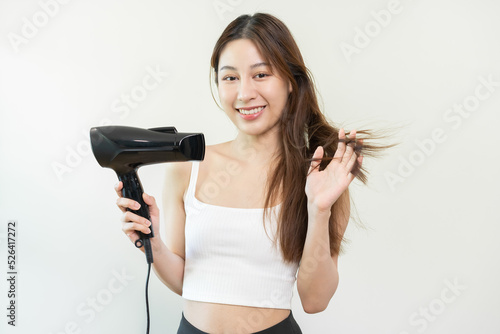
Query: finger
point(151, 202)
point(346, 158)
point(352, 161)
point(143, 225)
point(130, 217)
point(318, 154)
point(130, 229)
point(350, 177)
point(127, 203)
point(118, 188)
point(341, 145)
point(356, 159)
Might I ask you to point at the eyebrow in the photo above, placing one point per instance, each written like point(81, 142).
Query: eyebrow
point(232, 68)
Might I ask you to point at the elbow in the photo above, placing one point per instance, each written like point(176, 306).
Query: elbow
point(316, 301)
point(317, 306)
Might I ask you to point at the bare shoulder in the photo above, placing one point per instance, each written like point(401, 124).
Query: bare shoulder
point(177, 177)
point(177, 174)
point(217, 152)
point(214, 154)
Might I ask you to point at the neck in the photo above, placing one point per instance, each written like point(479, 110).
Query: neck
point(256, 149)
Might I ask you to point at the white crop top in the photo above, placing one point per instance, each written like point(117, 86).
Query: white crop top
point(230, 259)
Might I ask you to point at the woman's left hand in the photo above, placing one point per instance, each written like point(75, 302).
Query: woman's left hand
point(324, 187)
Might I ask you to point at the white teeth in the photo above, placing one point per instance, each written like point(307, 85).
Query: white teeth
point(251, 111)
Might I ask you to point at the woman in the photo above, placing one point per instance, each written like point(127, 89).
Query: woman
point(265, 210)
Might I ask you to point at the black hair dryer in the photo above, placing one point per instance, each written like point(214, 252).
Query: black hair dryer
point(124, 149)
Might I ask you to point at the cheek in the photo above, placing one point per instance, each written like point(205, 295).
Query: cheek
point(278, 95)
point(226, 95)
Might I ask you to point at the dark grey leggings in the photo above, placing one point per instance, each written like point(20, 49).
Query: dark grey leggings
point(287, 326)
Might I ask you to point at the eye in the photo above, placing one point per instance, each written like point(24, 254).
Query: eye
point(261, 75)
point(228, 78)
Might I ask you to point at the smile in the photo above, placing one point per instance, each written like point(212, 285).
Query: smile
point(251, 111)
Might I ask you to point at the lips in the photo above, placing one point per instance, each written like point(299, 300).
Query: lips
point(250, 113)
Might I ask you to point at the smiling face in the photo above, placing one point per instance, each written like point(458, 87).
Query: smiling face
point(250, 93)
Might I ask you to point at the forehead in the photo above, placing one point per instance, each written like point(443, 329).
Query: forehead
point(240, 54)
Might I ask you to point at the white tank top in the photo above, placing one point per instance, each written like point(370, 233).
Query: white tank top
point(230, 259)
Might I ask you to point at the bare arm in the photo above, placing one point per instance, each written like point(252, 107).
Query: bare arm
point(318, 276)
point(171, 271)
point(168, 257)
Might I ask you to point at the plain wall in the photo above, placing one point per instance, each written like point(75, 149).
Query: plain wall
point(427, 260)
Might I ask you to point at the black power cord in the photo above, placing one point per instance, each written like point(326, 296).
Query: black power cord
point(147, 302)
point(149, 258)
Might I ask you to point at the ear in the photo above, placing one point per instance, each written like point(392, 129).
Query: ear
point(289, 87)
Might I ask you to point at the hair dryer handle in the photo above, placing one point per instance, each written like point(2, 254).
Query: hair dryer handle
point(132, 189)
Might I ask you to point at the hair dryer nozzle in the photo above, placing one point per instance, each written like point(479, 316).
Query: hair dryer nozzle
point(124, 148)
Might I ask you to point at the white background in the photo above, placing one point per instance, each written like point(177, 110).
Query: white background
point(434, 227)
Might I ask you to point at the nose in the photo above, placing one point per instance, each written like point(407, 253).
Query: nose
point(246, 90)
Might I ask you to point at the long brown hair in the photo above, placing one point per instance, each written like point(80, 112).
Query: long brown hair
point(303, 128)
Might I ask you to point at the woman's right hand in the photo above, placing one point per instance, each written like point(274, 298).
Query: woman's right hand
point(131, 222)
